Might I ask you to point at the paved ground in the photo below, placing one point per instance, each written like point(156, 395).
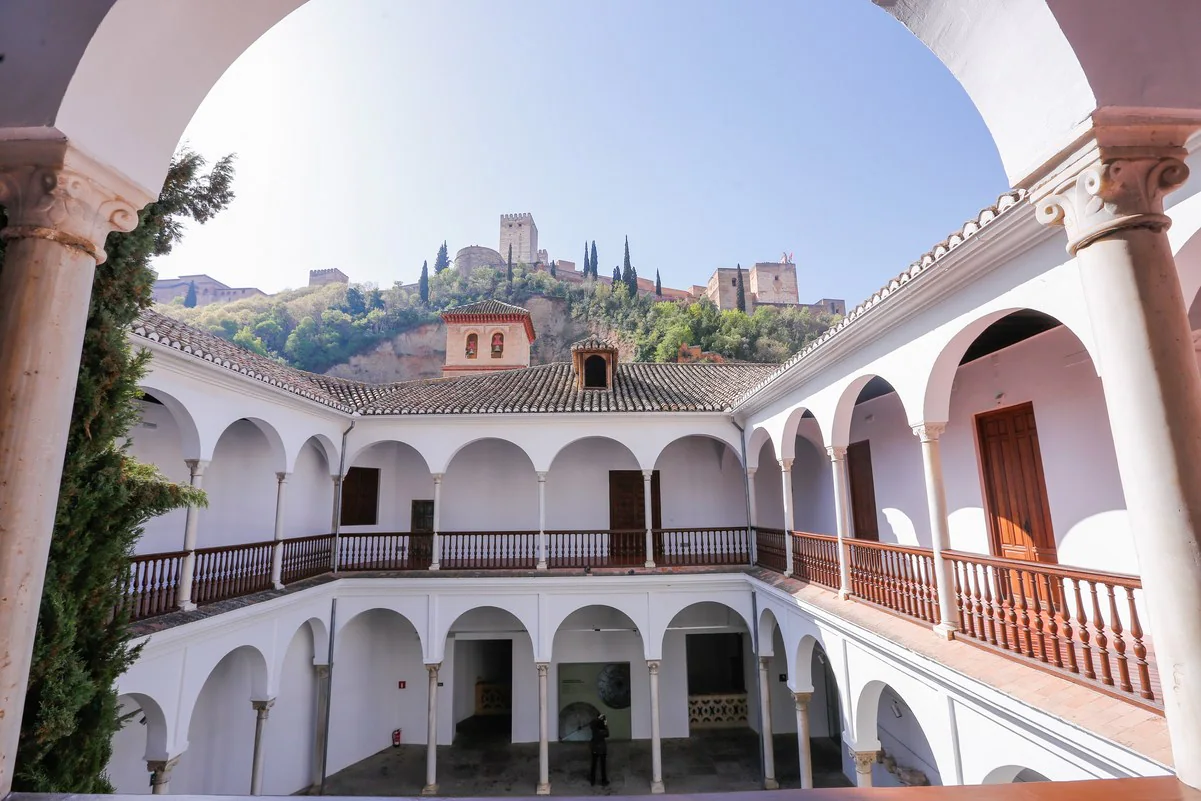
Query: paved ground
point(709, 762)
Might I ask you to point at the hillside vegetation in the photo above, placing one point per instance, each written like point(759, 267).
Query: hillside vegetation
point(318, 328)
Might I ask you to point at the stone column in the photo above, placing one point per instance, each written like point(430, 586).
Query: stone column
point(262, 709)
point(789, 522)
point(656, 745)
point(1112, 208)
point(277, 556)
point(436, 560)
point(940, 530)
point(160, 775)
point(842, 516)
point(769, 750)
point(335, 525)
point(319, 731)
point(541, 520)
point(863, 767)
point(431, 748)
point(187, 570)
point(649, 510)
point(802, 738)
point(752, 515)
point(543, 732)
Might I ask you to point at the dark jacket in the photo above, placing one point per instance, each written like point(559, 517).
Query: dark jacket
point(600, 733)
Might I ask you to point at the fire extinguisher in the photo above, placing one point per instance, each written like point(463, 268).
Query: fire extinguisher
point(396, 738)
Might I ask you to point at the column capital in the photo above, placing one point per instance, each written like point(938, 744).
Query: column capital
point(750, 472)
point(337, 479)
point(437, 477)
point(160, 770)
point(433, 668)
point(786, 465)
point(263, 707)
point(929, 432)
point(647, 475)
point(1111, 190)
point(802, 700)
point(836, 452)
point(864, 760)
point(282, 478)
point(196, 466)
point(542, 474)
point(322, 671)
point(52, 191)
point(543, 668)
point(653, 666)
point(764, 662)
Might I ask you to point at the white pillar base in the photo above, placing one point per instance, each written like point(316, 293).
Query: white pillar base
point(279, 585)
point(946, 631)
point(435, 566)
point(543, 789)
point(649, 565)
point(657, 788)
point(187, 606)
point(771, 784)
point(844, 595)
point(540, 566)
point(429, 789)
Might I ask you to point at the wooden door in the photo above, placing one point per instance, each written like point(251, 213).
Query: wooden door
point(863, 492)
point(627, 512)
point(421, 534)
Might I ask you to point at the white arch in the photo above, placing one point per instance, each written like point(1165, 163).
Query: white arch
point(754, 446)
point(866, 716)
point(838, 434)
point(207, 662)
point(324, 444)
point(396, 609)
point(450, 459)
point(157, 731)
point(633, 607)
point(275, 443)
point(353, 456)
point(669, 607)
point(1009, 773)
point(522, 609)
point(193, 445)
point(319, 635)
point(583, 438)
point(731, 444)
point(787, 445)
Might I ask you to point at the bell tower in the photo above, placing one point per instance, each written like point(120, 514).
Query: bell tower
point(519, 231)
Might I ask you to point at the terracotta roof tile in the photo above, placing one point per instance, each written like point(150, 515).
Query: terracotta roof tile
point(486, 307)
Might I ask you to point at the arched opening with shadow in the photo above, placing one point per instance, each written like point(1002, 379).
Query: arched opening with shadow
point(905, 757)
point(700, 507)
point(221, 730)
point(1013, 774)
point(489, 486)
point(826, 718)
point(387, 513)
point(290, 761)
point(141, 738)
point(599, 667)
point(166, 436)
point(493, 681)
point(309, 499)
point(707, 671)
point(593, 496)
point(241, 484)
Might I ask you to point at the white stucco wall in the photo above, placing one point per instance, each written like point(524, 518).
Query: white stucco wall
point(701, 485)
point(288, 733)
point(490, 485)
point(403, 478)
point(577, 485)
point(157, 441)
point(309, 496)
point(241, 486)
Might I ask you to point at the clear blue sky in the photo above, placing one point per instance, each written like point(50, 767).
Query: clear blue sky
point(710, 131)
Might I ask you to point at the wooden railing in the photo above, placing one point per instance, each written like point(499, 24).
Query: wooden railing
point(617, 548)
point(488, 550)
point(231, 570)
point(384, 551)
point(152, 584)
point(305, 557)
point(1082, 622)
point(701, 546)
point(769, 548)
point(815, 558)
point(895, 577)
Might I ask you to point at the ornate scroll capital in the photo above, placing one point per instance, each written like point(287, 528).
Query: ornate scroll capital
point(1111, 195)
point(864, 760)
point(786, 465)
point(802, 701)
point(52, 191)
point(160, 770)
point(836, 452)
point(653, 666)
point(543, 668)
point(929, 432)
point(322, 671)
point(263, 708)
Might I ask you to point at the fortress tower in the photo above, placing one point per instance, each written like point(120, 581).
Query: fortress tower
point(519, 231)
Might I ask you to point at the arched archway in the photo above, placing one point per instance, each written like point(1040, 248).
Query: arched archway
point(885, 722)
point(1012, 774)
point(489, 486)
point(290, 760)
point(493, 678)
point(166, 437)
point(309, 501)
point(241, 484)
point(142, 738)
point(702, 503)
point(580, 483)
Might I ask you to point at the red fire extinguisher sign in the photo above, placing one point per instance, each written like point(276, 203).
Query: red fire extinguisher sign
point(396, 738)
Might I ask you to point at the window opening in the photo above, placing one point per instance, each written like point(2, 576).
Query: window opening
point(596, 373)
point(498, 345)
point(473, 341)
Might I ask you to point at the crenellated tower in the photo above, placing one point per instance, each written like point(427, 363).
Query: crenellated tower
point(519, 231)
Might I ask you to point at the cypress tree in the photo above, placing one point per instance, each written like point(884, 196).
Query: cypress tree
point(587, 264)
point(442, 261)
point(82, 640)
point(189, 300)
point(626, 263)
point(595, 263)
point(741, 292)
point(509, 274)
point(658, 285)
point(617, 277)
point(631, 279)
point(423, 283)
point(554, 272)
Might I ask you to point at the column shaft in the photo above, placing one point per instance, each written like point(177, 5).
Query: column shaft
point(335, 525)
point(543, 732)
point(842, 516)
point(436, 561)
point(319, 732)
point(277, 556)
point(769, 749)
point(656, 745)
point(648, 510)
point(541, 521)
point(262, 709)
point(752, 516)
point(804, 754)
point(431, 748)
point(789, 522)
point(940, 531)
point(187, 570)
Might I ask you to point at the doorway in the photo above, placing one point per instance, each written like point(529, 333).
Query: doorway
point(863, 491)
point(1015, 492)
point(483, 696)
point(717, 695)
point(627, 512)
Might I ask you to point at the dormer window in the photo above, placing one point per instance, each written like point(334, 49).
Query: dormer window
point(498, 345)
point(473, 345)
point(596, 372)
point(594, 362)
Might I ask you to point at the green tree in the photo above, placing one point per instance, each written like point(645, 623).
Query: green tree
point(442, 261)
point(616, 276)
point(658, 285)
point(375, 299)
point(595, 263)
point(189, 300)
point(625, 265)
point(741, 292)
point(246, 338)
point(587, 264)
point(355, 302)
point(554, 271)
point(509, 272)
point(423, 283)
point(106, 496)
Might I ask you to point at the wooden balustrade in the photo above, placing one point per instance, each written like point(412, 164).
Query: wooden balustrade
point(488, 550)
point(618, 548)
point(895, 577)
point(384, 551)
point(305, 557)
point(815, 558)
point(697, 547)
point(769, 549)
point(1077, 621)
point(152, 584)
point(231, 570)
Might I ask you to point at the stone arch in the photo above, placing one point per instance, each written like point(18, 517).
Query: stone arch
point(803, 663)
point(867, 718)
point(489, 485)
point(1007, 774)
point(768, 624)
point(275, 443)
point(193, 445)
point(157, 733)
point(632, 609)
point(550, 465)
point(936, 398)
point(353, 455)
point(731, 444)
point(787, 445)
point(465, 444)
point(325, 446)
point(672, 608)
point(754, 446)
point(521, 609)
point(405, 615)
point(839, 432)
point(318, 634)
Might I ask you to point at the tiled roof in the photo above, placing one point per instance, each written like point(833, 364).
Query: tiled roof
point(593, 343)
point(486, 307)
point(638, 387)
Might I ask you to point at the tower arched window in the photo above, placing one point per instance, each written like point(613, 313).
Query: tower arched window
point(473, 345)
point(596, 373)
point(498, 345)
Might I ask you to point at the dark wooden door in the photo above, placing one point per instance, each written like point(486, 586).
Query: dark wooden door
point(627, 512)
point(863, 491)
point(421, 536)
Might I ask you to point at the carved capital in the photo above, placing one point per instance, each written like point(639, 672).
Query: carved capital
point(438, 477)
point(433, 670)
point(750, 472)
point(764, 663)
point(322, 672)
point(160, 770)
point(543, 669)
point(929, 432)
point(196, 468)
point(653, 666)
point(282, 478)
point(786, 465)
point(864, 760)
point(52, 191)
point(1111, 195)
point(647, 475)
point(542, 474)
point(263, 708)
point(802, 701)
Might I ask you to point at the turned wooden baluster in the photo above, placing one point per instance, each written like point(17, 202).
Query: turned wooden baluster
point(1052, 625)
point(1086, 651)
point(1023, 622)
point(978, 602)
point(1140, 650)
point(1099, 628)
point(1037, 613)
point(1069, 637)
point(990, 611)
point(1119, 643)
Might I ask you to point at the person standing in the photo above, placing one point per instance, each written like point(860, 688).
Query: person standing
point(600, 750)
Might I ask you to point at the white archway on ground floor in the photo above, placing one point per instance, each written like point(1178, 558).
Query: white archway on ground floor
point(886, 721)
point(1008, 774)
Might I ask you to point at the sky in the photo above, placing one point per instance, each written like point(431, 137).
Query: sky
point(710, 132)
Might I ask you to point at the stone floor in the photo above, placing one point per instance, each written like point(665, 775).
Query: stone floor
point(716, 761)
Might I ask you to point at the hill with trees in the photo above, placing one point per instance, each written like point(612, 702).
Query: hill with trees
point(319, 328)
